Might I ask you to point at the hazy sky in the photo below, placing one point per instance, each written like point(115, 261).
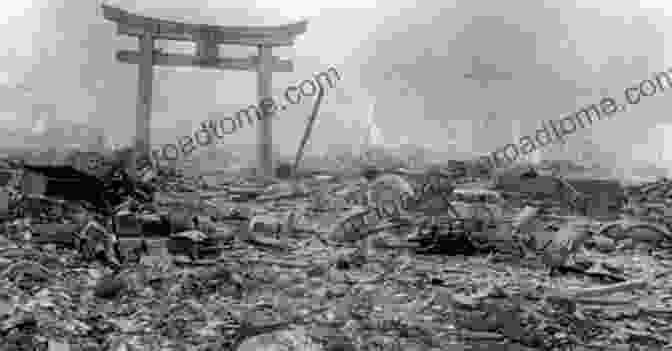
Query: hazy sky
point(409, 58)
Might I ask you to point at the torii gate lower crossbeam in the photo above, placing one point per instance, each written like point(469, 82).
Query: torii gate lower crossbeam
point(207, 39)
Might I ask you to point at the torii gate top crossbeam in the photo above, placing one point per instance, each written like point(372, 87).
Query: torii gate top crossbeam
point(136, 25)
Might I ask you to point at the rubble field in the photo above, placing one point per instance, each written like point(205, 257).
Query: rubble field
point(386, 259)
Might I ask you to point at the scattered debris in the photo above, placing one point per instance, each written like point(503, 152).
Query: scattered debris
point(109, 287)
point(398, 258)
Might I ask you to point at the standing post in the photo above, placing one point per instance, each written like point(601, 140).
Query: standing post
point(144, 106)
point(265, 135)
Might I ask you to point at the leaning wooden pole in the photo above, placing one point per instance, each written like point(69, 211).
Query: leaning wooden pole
point(309, 130)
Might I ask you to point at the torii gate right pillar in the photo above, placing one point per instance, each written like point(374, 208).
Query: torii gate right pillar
point(265, 135)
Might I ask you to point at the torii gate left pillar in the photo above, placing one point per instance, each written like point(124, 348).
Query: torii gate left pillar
point(207, 39)
point(143, 111)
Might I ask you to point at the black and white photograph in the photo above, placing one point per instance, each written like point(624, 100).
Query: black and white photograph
point(266, 175)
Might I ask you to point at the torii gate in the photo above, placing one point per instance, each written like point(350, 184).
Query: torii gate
point(207, 39)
